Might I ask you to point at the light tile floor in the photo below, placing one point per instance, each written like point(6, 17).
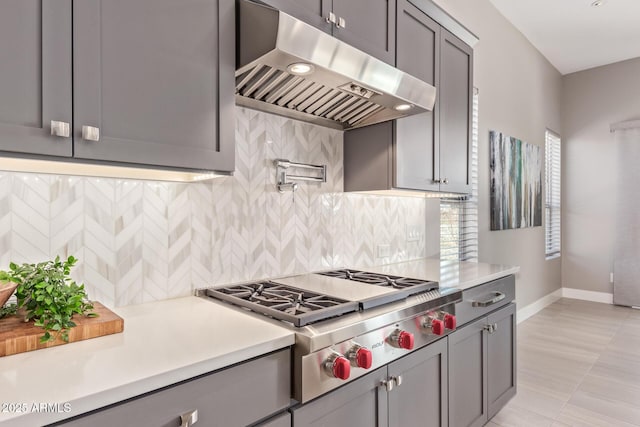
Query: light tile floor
point(578, 365)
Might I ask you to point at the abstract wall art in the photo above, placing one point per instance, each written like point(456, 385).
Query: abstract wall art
point(516, 182)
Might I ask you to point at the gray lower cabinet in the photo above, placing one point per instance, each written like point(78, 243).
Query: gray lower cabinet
point(418, 395)
point(420, 398)
point(425, 152)
point(35, 76)
point(141, 82)
point(369, 25)
point(361, 403)
point(237, 396)
point(482, 368)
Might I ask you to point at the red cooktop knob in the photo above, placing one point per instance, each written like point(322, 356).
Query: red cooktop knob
point(437, 327)
point(364, 358)
point(405, 340)
point(450, 321)
point(341, 368)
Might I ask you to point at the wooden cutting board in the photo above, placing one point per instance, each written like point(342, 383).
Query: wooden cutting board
point(16, 336)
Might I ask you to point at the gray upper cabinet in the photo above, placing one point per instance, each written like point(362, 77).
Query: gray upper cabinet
point(368, 25)
point(35, 76)
point(154, 77)
point(430, 151)
point(416, 137)
point(456, 95)
point(141, 82)
point(313, 12)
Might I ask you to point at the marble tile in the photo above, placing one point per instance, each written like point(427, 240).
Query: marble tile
point(582, 417)
point(141, 241)
point(578, 365)
point(512, 415)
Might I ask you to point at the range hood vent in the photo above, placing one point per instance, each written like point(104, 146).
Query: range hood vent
point(341, 87)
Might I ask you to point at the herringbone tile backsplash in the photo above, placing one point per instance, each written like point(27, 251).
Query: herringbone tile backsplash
point(141, 241)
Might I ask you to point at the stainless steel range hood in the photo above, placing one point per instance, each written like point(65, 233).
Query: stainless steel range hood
point(343, 87)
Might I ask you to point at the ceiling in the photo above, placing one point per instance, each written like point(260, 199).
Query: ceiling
point(573, 35)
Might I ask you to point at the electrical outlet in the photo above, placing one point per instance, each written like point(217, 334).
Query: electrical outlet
point(610, 277)
point(384, 251)
point(413, 233)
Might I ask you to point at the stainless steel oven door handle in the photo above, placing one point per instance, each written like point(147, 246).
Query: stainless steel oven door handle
point(497, 297)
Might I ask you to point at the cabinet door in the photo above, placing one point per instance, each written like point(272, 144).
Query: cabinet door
point(235, 397)
point(370, 26)
point(313, 12)
point(156, 77)
point(456, 95)
point(467, 375)
point(416, 137)
point(501, 379)
point(361, 403)
point(420, 399)
point(35, 75)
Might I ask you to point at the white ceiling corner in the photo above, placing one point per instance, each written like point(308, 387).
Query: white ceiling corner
point(575, 36)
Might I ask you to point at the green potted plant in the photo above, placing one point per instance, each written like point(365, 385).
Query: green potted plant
point(49, 296)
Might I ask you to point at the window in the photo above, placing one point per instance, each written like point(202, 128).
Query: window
point(552, 195)
point(459, 218)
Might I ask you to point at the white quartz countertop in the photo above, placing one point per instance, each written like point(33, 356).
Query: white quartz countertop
point(449, 274)
point(163, 343)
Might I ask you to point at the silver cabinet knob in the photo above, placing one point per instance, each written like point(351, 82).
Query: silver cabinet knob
point(398, 380)
point(341, 23)
point(387, 384)
point(60, 129)
point(189, 418)
point(331, 18)
point(90, 133)
point(445, 181)
point(436, 181)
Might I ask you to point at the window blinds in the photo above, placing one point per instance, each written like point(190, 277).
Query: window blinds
point(459, 218)
point(552, 195)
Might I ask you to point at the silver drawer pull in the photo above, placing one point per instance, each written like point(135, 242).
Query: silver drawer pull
point(331, 18)
point(90, 133)
point(387, 384)
point(189, 418)
point(60, 129)
point(341, 23)
point(497, 297)
point(398, 380)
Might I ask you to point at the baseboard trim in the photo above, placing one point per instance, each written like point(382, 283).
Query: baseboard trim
point(539, 305)
point(593, 296)
point(536, 306)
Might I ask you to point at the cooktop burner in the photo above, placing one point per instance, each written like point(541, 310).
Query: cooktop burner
point(402, 286)
point(379, 279)
point(284, 302)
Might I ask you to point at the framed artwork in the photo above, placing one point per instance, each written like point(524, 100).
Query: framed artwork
point(516, 182)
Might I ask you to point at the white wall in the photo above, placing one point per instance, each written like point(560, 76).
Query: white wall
point(519, 95)
point(591, 101)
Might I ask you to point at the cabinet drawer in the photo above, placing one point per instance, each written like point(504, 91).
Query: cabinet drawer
point(222, 398)
point(485, 298)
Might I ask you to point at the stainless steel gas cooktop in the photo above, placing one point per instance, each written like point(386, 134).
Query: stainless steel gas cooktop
point(347, 322)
